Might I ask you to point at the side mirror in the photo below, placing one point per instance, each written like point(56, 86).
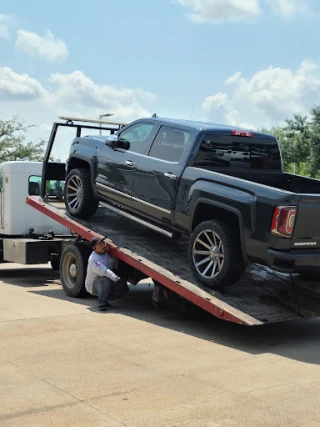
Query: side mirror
point(115, 142)
point(112, 141)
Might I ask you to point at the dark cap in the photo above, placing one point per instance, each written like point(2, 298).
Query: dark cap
point(95, 241)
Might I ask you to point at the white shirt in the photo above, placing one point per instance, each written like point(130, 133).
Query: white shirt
point(99, 265)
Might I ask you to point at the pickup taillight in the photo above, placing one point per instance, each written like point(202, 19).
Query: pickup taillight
point(283, 220)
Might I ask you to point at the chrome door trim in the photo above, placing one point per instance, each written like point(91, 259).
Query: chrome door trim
point(103, 189)
point(166, 211)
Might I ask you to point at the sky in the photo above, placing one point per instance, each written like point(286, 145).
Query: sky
point(249, 63)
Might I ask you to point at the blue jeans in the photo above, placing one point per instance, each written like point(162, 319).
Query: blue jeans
point(101, 288)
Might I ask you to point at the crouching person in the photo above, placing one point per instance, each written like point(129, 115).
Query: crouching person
point(100, 278)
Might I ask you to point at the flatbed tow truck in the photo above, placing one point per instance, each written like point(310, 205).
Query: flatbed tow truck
point(260, 297)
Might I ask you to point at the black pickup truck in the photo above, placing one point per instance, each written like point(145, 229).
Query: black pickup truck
point(222, 186)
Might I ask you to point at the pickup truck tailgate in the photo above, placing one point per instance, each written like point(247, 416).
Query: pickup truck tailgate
point(306, 232)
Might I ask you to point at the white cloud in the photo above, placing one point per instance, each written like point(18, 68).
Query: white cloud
point(48, 47)
point(5, 22)
point(77, 91)
point(288, 9)
point(91, 93)
point(14, 87)
point(66, 94)
point(267, 98)
point(217, 11)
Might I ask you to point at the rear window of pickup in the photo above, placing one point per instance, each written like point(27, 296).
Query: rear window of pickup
point(219, 151)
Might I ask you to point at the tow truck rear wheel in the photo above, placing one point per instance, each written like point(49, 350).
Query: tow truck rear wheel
point(215, 254)
point(78, 195)
point(73, 268)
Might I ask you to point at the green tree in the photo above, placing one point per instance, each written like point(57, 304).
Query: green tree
point(315, 142)
point(299, 137)
point(13, 144)
point(299, 140)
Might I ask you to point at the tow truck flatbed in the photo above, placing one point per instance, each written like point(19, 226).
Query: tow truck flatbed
point(260, 297)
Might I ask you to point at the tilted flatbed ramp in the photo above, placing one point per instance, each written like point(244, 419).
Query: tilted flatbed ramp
point(260, 297)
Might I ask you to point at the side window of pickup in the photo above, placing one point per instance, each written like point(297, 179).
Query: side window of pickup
point(169, 144)
point(138, 136)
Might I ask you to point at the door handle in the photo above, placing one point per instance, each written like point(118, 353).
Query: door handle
point(170, 175)
point(130, 163)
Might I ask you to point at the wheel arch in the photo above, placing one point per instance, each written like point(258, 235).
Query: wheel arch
point(79, 162)
point(206, 209)
point(76, 162)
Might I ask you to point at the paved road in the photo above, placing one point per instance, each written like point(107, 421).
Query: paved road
point(64, 364)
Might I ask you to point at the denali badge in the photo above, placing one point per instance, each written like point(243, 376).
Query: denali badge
point(306, 244)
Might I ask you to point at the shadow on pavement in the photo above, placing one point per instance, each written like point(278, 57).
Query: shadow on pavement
point(298, 340)
point(30, 277)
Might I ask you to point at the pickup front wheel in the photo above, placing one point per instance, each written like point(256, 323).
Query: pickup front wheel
point(215, 254)
point(78, 195)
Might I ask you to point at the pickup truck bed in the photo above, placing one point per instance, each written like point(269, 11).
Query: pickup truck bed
point(281, 180)
point(261, 296)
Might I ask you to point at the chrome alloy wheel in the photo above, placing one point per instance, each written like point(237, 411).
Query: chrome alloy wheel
point(74, 193)
point(208, 254)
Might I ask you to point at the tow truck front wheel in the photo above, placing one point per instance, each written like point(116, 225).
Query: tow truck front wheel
point(73, 268)
point(215, 254)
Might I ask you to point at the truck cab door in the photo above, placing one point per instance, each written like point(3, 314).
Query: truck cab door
point(116, 167)
point(158, 174)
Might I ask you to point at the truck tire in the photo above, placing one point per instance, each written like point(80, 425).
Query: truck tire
point(78, 195)
point(215, 254)
point(73, 269)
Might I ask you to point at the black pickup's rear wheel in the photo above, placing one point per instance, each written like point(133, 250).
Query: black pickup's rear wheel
point(215, 254)
point(78, 195)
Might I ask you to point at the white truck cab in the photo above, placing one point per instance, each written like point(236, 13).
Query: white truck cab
point(20, 224)
point(17, 181)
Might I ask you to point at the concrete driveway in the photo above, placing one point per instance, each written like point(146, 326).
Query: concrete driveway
point(64, 364)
